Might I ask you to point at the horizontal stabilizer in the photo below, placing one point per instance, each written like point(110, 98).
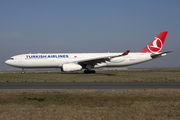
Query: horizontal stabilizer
point(153, 55)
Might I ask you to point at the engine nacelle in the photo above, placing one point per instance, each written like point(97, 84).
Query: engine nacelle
point(71, 67)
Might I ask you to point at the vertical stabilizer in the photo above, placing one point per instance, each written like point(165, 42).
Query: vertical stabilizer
point(156, 44)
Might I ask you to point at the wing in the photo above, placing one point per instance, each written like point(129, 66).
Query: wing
point(94, 61)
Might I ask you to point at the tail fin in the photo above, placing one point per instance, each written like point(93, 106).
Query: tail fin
point(156, 44)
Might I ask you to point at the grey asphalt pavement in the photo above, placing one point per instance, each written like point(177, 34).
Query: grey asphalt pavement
point(77, 86)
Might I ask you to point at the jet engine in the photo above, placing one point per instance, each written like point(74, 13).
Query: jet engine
point(71, 67)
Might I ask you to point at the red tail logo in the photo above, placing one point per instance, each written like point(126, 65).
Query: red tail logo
point(156, 44)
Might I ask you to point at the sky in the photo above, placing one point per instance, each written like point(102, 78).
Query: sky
point(88, 26)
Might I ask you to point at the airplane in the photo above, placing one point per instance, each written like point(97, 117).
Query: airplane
point(68, 62)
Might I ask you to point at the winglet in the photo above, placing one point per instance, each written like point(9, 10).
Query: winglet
point(126, 53)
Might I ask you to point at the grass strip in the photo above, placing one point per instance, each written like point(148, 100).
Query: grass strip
point(90, 105)
point(150, 75)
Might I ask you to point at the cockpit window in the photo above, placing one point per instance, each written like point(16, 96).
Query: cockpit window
point(11, 58)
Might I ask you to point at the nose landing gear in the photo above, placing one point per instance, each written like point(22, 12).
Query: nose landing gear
point(22, 71)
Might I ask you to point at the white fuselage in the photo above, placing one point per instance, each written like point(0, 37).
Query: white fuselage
point(56, 60)
point(78, 61)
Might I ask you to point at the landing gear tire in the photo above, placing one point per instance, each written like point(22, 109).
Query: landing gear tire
point(93, 71)
point(89, 71)
point(85, 71)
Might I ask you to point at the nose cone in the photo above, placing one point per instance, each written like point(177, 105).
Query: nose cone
point(11, 62)
point(6, 62)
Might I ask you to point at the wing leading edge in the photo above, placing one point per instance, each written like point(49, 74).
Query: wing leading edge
point(94, 61)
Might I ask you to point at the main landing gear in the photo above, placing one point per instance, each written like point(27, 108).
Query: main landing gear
point(89, 71)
